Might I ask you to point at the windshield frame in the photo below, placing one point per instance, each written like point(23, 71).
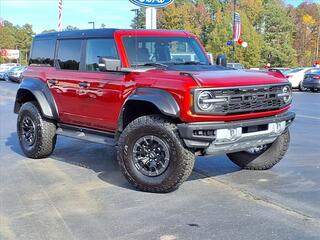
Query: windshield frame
point(200, 50)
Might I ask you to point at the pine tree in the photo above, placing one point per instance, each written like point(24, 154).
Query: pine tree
point(139, 20)
point(278, 29)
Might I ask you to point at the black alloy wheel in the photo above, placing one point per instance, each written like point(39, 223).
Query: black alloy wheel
point(151, 156)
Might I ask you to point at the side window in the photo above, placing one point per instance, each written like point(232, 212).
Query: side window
point(99, 48)
point(69, 54)
point(43, 52)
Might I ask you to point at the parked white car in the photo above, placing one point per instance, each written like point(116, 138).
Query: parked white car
point(15, 74)
point(296, 76)
point(4, 68)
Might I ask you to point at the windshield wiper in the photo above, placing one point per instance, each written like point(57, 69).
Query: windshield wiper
point(189, 63)
point(151, 65)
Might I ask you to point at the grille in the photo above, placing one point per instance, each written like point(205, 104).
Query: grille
point(248, 99)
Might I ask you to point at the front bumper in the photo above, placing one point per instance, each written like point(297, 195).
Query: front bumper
point(216, 138)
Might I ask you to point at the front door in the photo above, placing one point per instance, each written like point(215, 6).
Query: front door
point(100, 92)
point(100, 100)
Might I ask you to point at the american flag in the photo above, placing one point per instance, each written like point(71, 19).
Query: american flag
point(60, 16)
point(236, 27)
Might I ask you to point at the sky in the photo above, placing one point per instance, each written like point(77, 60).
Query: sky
point(43, 14)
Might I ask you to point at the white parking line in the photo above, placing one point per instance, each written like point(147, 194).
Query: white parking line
point(310, 117)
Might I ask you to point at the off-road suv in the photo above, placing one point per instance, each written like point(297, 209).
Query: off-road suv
point(155, 95)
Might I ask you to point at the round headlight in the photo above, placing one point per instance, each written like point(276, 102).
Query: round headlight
point(287, 94)
point(202, 104)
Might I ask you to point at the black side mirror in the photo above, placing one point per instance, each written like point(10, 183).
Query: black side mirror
point(109, 64)
point(222, 60)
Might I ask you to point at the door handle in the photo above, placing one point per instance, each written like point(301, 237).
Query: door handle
point(53, 81)
point(84, 84)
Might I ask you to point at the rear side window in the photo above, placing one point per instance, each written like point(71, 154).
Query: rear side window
point(97, 48)
point(69, 54)
point(43, 52)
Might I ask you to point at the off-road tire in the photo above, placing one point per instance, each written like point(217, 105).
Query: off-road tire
point(45, 132)
point(265, 160)
point(181, 159)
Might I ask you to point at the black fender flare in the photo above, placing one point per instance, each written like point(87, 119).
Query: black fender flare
point(41, 93)
point(161, 99)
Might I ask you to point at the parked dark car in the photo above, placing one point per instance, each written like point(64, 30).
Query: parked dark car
point(312, 80)
point(15, 74)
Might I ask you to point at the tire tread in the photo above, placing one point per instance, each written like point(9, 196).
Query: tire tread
point(188, 157)
point(46, 141)
point(267, 159)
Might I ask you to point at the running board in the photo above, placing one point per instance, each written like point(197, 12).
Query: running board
point(86, 134)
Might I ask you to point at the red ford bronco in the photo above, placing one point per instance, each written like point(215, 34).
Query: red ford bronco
point(155, 95)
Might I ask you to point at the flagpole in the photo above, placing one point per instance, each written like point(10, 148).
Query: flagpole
point(60, 15)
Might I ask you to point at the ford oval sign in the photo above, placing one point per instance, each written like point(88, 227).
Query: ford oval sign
point(152, 3)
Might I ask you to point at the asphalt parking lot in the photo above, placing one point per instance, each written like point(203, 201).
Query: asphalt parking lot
point(79, 192)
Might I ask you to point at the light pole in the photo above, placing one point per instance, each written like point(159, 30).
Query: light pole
point(93, 24)
point(151, 18)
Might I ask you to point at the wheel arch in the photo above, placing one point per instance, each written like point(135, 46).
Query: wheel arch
point(147, 101)
point(35, 90)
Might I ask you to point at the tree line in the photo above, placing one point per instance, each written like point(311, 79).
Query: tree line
point(20, 37)
point(16, 37)
point(279, 34)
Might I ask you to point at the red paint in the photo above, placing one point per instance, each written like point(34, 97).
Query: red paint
point(99, 105)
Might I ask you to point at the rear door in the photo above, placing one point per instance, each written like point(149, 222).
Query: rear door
point(64, 80)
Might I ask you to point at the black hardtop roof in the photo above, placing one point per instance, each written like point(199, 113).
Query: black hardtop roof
point(78, 33)
point(104, 32)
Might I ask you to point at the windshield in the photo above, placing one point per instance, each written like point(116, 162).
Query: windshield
point(163, 51)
